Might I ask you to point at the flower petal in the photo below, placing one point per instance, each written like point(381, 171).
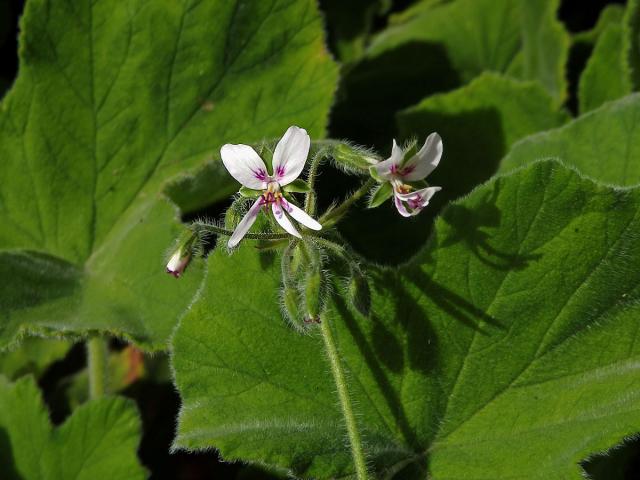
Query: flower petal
point(425, 161)
point(301, 216)
point(290, 155)
point(284, 221)
point(416, 200)
point(402, 210)
point(425, 194)
point(245, 224)
point(245, 165)
point(385, 168)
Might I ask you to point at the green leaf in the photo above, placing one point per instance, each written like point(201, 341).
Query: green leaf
point(545, 46)
point(603, 79)
point(381, 194)
point(610, 14)
point(99, 441)
point(609, 72)
point(603, 144)
point(249, 193)
point(34, 356)
point(297, 186)
point(113, 99)
point(485, 357)
point(476, 35)
point(442, 46)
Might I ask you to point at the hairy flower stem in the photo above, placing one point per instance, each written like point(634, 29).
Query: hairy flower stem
point(334, 215)
point(310, 197)
point(211, 228)
point(97, 355)
point(345, 401)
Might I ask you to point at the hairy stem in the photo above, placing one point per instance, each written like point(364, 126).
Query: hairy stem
point(310, 197)
point(345, 401)
point(333, 216)
point(211, 228)
point(97, 355)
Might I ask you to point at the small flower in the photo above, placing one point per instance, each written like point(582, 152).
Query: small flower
point(246, 166)
point(401, 168)
point(179, 261)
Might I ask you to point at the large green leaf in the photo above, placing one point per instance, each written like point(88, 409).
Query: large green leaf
point(113, 99)
point(609, 74)
point(98, 442)
point(604, 144)
point(506, 349)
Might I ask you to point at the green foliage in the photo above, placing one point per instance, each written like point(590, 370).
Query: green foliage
point(603, 144)
point(473, 35)
point(112, 100)
point(478, 359)
point(97, 442)
point(545, 46)
point(34, 356)
point(610, 72)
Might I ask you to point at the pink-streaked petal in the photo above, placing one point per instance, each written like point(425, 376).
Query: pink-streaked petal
point(387, 168)
point(301, 216)
point(425, 194)
point(246, 223)
point(290, 155)
point(245, 165)
point(425, 161)
point(284, 221)
point(416, 201)
point(402, 210)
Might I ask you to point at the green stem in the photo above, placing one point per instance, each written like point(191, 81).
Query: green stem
point(97, 355)
point(209, 228)
point(333, 216)
point(310, 197)
point(345, 401)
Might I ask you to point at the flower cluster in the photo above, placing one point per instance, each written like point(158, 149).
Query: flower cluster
point(401, 177)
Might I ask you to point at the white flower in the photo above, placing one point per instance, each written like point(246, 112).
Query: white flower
point(178, 262)
point(397, 170)
point(246, 166)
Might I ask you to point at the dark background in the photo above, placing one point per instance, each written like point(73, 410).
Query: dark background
point(158, 401)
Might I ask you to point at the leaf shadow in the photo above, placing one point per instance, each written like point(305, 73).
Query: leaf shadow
point(371, 357)
point(468, 227)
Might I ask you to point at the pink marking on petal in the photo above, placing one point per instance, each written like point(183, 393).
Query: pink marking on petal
point(260, 174)
point(407, 170)
point(285, 205)
point(280, 171)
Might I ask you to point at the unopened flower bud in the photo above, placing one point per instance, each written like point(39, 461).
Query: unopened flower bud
point(181, 256)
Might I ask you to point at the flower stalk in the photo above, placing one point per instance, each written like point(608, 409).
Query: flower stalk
point(97, 358)
point(339, 378)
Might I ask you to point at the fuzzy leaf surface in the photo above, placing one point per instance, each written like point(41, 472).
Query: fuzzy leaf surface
point(603, 144)
point(113, 99)
point(477, 362)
